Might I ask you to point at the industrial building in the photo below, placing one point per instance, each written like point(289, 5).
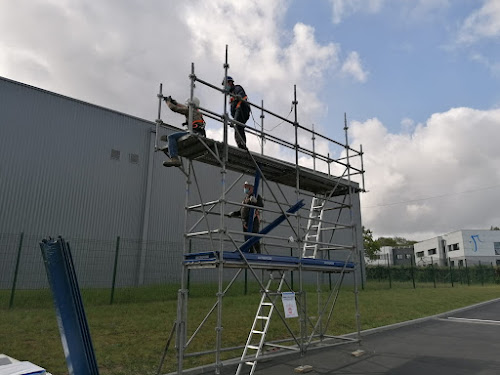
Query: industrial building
point(392, 256)
point(466, 246)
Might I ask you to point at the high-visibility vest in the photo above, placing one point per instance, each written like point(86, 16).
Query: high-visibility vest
point(199, 124)
point(239, 103)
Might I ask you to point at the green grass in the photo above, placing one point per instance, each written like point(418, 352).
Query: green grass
point(129, 337)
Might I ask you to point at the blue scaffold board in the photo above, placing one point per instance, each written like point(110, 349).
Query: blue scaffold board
point(234, 259)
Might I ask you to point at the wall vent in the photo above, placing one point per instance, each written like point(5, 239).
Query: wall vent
point(115, 154)
point(133, 158)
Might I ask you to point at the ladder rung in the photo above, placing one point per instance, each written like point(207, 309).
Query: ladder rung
point(266, 304)
point(258, 332)
point(306, 246)
point(263, 317)
point(249, 363)
point(316, 207)
point(253, 347)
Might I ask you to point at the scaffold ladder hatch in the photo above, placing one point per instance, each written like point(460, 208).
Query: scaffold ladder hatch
point(260, 326)
point(313, 229)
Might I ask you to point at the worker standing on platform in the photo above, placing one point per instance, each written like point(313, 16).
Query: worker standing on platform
point(198, 128)
point(240, 110)
point(244, 213)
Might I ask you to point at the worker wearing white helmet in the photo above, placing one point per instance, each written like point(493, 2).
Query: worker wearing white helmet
point(198, 128)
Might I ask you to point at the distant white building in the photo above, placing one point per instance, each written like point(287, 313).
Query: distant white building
point(460, 247)
point(391, 256)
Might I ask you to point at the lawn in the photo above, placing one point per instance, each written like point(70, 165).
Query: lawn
point(129, 337)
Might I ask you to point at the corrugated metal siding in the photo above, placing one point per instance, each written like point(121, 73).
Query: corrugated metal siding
point(57, 175)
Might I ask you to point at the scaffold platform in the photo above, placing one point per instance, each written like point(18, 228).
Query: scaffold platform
point(231, 259)
point(209, 151)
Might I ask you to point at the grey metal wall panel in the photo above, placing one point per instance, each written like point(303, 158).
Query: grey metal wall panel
point(56, 171)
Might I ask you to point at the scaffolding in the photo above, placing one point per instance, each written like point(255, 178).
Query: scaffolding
point(305, 211)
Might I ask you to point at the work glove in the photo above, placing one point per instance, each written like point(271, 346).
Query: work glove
point(232, 214)
point(253, 199)
point(169, 99)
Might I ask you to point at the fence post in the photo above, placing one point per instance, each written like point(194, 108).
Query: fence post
point(451, 272)
point(412, 272)
point(114, 270)
point(189, 270)
point(467, 272)
point(246, 282)
point(389, 271)
point(433, 272)
point(11, 301)
point(482, 273)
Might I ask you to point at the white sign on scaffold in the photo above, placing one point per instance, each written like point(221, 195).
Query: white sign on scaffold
point(289, 304)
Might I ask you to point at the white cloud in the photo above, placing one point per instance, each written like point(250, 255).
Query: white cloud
point(493, 67)
point(442, 177)
point(344, 8)
point(407, 125)
point(482, 23)
point(352, 66)
point(115, 53)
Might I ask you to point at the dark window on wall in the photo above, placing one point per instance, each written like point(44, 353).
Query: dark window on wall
point(431, 251)
point(133, 158)
point(453, 247)
point(399, 256)
point(115, 154)
point(420, 254)
point(497, 248)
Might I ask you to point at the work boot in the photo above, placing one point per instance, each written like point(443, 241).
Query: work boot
point(242, 146)
point(173, 162)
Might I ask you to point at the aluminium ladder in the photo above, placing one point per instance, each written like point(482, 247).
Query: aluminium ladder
point(313, 229)
point(256, 338)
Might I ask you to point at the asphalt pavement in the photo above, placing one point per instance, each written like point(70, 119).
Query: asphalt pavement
point(465, 341)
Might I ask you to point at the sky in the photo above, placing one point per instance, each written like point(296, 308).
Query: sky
point(417, 81)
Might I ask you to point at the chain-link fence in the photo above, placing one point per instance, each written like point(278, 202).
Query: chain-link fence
point(433, 275)
point(119, 270)
point(107, 270)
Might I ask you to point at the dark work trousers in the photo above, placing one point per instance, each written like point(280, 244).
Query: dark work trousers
point(256, 246)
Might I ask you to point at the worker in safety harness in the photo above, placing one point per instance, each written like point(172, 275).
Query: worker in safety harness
point(240, 110)
point(250, 199)
point(198, 128)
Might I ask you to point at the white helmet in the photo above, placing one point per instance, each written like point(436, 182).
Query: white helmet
point(196, 101)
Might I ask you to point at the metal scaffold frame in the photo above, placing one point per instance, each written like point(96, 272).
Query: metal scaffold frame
point(308, 227)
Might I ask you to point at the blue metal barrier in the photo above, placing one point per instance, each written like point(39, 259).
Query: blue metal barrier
point(73, 326)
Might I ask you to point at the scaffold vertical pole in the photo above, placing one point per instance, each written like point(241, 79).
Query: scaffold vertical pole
point(314, 149)
point(192, 77)
point(262, 136)
point(158, 120)
point(355, 249)
point(182, 294)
